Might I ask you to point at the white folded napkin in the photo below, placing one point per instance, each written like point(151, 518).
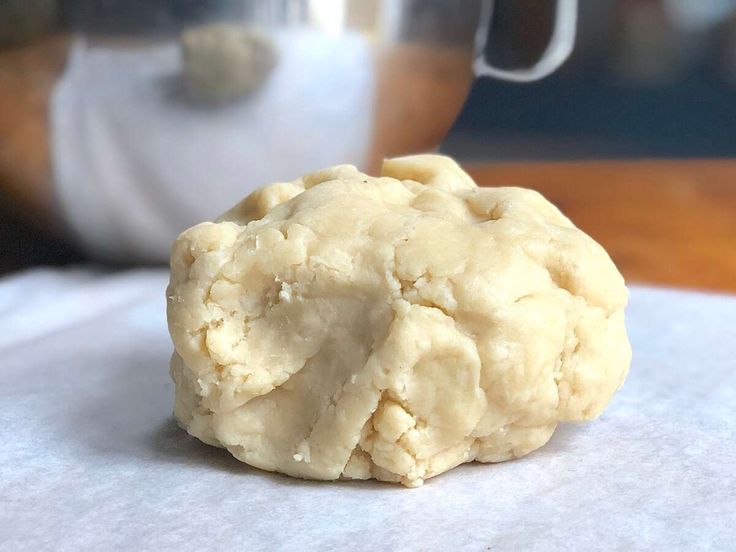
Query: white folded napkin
point(135, 163)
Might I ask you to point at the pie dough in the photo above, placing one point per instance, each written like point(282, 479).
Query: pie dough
point(392, 327)
point(223, 62)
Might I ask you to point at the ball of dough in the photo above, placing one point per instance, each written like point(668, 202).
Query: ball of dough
point(224, 62)
point(346, 326)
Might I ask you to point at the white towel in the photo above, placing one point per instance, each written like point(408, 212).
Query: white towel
point(135, 164)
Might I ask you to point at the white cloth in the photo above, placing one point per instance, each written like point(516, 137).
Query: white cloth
point(91, 460)
point(135, 164)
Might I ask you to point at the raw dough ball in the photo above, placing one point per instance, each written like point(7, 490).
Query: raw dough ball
point(224, 62)
point(342, 325)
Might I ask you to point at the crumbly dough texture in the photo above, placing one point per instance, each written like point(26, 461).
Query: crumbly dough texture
point(392, 327)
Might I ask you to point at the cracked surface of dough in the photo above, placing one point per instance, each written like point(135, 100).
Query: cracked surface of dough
point(392, 327)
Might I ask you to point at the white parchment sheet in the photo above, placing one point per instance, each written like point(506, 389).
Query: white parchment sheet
point(90, 458)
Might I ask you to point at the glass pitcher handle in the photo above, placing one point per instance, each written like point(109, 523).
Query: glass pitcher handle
point(558, 50)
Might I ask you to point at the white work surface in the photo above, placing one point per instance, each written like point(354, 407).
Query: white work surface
point(91, 460)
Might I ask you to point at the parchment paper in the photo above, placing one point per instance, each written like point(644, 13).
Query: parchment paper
point(91, 460)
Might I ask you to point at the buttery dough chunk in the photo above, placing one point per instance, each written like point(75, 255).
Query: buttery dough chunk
point(343, 325)
point(223, 62)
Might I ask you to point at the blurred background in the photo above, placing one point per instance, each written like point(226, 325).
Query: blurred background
point(116, 132)
point(647, 78)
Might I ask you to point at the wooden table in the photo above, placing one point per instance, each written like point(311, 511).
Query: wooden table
point(663, 222)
